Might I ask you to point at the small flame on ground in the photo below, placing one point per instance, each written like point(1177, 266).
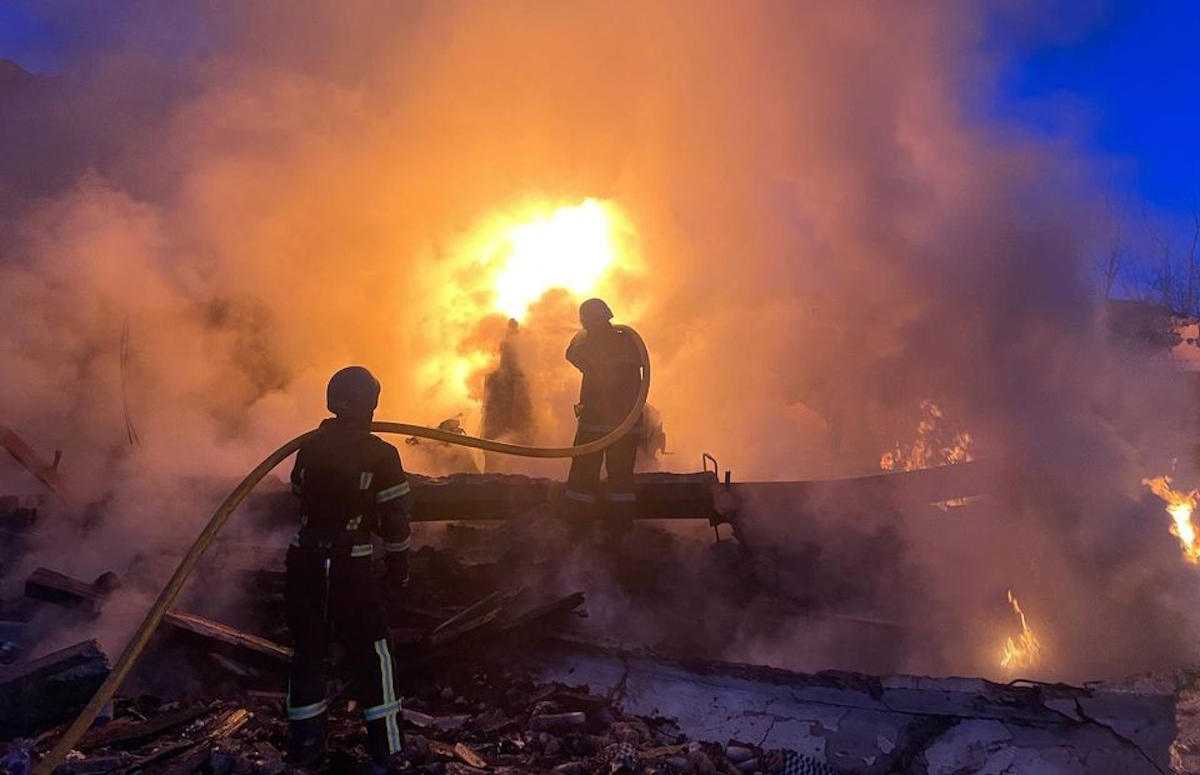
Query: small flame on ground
point(1180, 506)
point(571, 248)
point(934, 445)
point(1026, 651)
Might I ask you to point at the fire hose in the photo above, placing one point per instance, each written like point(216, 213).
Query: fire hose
point(141, 637)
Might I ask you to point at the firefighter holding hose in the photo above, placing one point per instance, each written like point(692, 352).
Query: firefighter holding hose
point(611, 365)
point(344, 467)
point(350, 484)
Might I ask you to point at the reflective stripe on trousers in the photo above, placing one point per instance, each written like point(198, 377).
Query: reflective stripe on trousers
point(304, 712)
point(390, 708)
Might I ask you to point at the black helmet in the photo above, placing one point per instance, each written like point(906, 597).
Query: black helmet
point(353, 391)
point(593, 312)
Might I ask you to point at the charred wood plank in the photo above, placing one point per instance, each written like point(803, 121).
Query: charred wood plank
point(225, 726)
point(43, 692)
point(223, 633)
point(57, 588)
point(125, 732)
point(27, 456)
point(469, 618)
point(694, 496)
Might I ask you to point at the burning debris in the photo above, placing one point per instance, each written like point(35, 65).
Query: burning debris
point(1180, 505)
point(1024, 653)
point(935, 444)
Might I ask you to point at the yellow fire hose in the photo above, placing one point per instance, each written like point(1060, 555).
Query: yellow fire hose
point(146, 629)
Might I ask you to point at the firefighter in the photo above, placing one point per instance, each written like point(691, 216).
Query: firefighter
point(350, 484)
point(612, 375)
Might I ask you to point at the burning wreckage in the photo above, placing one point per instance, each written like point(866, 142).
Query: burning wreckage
point(503, 670)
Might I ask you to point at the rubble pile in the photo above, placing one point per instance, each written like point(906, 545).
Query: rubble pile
point(501, 671)
point(495, 719)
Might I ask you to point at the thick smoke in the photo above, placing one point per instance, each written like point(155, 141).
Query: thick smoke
point(822, 235)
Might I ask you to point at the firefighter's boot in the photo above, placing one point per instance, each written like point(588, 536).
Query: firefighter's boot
point(307, 748)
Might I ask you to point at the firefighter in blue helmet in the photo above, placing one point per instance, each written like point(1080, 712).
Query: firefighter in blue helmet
point(612, 376)
point(350, 484)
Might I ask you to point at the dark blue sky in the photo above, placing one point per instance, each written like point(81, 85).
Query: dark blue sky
point(1125, 84)
point(24, 38)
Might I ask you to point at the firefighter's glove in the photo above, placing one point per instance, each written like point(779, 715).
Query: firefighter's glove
point(397, 570)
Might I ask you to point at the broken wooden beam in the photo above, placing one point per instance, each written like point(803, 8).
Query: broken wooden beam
point(59, 589)
point(470, 618)
point(223, 633)
point(46, 691)
point(694, 496)
point(27, 456)
point(56, 588)
point(223, 727)
point(127, 731)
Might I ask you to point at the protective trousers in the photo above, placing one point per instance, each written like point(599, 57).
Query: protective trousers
point(583, 481)
point(333, 595)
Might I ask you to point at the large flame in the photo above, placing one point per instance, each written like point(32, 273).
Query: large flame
point(572, 248)
point(1025, 651)
point(1180, 506)
point(501, 268)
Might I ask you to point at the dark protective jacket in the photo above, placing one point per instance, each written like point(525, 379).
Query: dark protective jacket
point(612, 376)
point(351, 484)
